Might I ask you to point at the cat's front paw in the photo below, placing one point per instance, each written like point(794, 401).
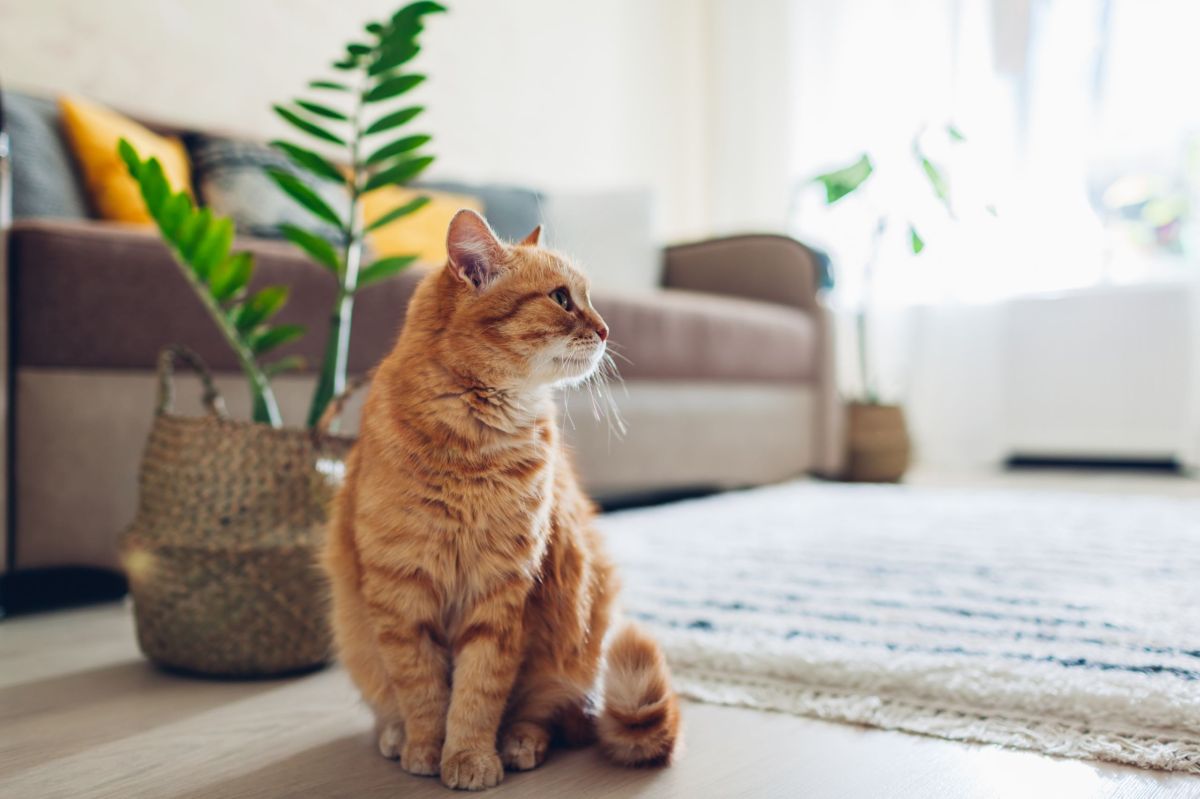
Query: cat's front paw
point(523, 745)
point(472, 769)
point(420, 758)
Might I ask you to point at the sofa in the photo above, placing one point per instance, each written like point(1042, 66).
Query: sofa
point(728, 370)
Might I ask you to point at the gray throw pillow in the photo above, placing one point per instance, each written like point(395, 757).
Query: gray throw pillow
point(511, 210)
point(44, 180)
point(229, 177)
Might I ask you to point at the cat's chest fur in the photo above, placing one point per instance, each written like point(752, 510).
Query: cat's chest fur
point(471, 516)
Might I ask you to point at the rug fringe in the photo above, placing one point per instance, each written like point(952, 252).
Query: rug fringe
point(1053, 737)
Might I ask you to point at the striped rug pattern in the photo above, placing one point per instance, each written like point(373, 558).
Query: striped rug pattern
point(1063, 623)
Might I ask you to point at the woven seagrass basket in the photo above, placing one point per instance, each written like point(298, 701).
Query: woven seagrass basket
point(878, 445)
point(221, 557)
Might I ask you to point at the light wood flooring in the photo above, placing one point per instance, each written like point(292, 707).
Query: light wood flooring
point(83, 715)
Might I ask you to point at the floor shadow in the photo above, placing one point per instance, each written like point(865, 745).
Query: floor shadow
point(350, 766)
point(59, 716)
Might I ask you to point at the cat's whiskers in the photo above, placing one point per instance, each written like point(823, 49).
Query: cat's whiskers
point(613, 349)
point(600, 394)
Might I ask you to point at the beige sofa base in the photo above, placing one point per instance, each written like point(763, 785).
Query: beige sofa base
point(80, 433)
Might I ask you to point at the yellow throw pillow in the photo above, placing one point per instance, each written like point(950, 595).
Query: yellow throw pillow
point(93, 132)
point(423, 233)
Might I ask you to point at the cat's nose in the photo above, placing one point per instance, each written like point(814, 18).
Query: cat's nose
point(602, 331)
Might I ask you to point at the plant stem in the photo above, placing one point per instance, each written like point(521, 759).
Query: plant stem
point(266, 409)
point(863, 371)
point(870, 394)
point(332, 381)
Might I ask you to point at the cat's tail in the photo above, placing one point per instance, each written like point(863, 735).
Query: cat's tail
point(639, 725)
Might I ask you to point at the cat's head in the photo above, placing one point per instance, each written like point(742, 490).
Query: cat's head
point(521, 314)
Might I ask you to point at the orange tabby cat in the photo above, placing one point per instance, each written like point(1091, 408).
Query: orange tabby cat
point(471, 596)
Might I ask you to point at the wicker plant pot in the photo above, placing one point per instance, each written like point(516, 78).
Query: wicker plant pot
point(878, 446)
point(221, 556)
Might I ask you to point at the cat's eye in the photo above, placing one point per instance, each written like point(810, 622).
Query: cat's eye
point(562, 297)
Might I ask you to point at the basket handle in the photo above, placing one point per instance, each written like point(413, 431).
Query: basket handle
point(338, 404)
point(214, 403)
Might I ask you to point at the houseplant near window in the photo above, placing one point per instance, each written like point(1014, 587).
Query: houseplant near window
point(220, 557)
point(878, 445)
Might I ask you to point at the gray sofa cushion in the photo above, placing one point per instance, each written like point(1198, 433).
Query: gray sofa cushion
point(229, 178)
point(45, 183)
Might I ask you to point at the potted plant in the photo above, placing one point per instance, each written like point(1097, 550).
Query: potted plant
point(879, 448)
point(220, 557)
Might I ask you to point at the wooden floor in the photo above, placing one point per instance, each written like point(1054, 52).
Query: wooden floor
point(82, 715)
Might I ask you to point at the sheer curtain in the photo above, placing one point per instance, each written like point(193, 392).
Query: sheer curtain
point(1081, 131)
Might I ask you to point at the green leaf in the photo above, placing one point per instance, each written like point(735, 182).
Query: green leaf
point(153, 183)
point(331, 85)
point(843, 181)
point(231, 275)
point(374, 28)
point(400, 211)
point(306, 126)
point(307, 159)
point(321, 251)
point(174, 211)
point(402, 172)
point(261, 306)
point(397, 147)
point(192, 231)
point(275, 337)
point(915, 240)
point(936, 180)
point(345, 66)
point(384, 268)
point(322, 110)
point(394, 56)
point(390, 87)
point(414, 11)
point(302, 194)
point(394, 119)
point(213, 248)
point(286, 364)
point(129, 155)
point(357, 48)
point(954, 133)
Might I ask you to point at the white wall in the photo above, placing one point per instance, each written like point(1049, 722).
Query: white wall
point(547, 93)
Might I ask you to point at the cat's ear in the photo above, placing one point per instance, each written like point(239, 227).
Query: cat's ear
point(533, 238)
point(476, 255)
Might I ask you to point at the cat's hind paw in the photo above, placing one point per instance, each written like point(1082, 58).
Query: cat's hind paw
point(523, 745)
point(420, 758)
point(390, 737)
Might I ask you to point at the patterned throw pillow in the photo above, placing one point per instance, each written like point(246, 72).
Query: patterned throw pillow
point(230, 177)
point(45, 183)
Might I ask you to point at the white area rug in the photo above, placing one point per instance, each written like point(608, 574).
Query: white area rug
point(1063, 623)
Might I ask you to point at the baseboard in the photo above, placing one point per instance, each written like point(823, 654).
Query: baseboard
point(644, 499)
point(36, 590)
point(1115, 464)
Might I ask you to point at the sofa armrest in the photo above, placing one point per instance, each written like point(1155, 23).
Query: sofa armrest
point(779, 270)
point(763, 267)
